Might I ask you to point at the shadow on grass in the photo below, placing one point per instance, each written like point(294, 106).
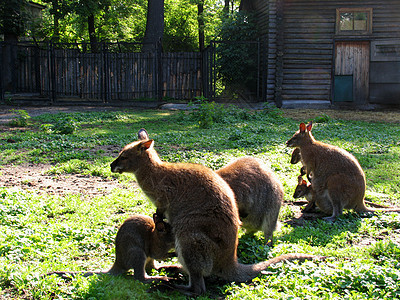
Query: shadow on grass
point(311, 229)
point(105, 286)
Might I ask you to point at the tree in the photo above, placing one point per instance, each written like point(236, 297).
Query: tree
point(200, 21)
point(13, 16)
point(154, 25)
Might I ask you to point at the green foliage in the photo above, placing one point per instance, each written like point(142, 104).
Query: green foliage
point(206, 113)
point(237, 52)
point(13, 17)
point(21, 118)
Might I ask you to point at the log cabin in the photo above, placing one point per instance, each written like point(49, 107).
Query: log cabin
point(331, 52)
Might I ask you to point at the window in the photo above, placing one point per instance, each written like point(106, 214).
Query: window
point(353, 21)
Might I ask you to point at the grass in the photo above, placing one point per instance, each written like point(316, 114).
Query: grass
point(40, 233)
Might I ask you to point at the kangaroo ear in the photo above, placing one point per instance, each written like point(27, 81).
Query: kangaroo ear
point(309, 126)
point(142, 135)
point(302, 127)
point(147, 144)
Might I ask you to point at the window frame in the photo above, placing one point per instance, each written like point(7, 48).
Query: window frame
point(354, 10)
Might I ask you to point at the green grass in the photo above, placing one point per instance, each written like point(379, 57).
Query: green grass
point(44, 233)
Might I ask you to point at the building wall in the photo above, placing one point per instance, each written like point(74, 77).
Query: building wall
point(307, 34)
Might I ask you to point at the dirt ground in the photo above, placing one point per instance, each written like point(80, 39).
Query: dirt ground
point(34, 177)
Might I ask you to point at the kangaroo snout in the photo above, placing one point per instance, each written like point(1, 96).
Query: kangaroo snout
point(115, 168)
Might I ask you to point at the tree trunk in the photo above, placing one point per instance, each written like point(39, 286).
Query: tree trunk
point(92, 33)
point(226, 8)
point(154, 25)
point(200, 20)
point(56, 17)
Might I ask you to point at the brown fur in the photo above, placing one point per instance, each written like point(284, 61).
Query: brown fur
point(137, 244)
point(201, 208)
point(259, 194)
point(304, 189)
point(337, 178)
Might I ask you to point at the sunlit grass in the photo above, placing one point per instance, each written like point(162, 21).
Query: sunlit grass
point(44, 233)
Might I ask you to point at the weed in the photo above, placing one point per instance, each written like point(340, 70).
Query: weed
point(21, 118)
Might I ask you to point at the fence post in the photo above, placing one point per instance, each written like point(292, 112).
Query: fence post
point(159, 71)
point(52, 72)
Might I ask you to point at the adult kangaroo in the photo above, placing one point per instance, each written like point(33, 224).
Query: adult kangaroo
point(337, 180)
point(200, 206)
point(258, 192)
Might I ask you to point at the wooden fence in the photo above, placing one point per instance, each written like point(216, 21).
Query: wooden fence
point(59, 73)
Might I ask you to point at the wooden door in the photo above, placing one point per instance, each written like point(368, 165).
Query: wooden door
point(351, 82)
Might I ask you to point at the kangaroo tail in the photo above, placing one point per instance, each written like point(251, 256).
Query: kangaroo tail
point(243, 273)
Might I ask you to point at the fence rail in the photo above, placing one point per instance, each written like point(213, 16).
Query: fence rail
point(117, 72)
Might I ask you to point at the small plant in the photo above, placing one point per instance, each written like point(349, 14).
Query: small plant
point(324, 118)
point(204, 112)
point(21, 118)
point(8, 100)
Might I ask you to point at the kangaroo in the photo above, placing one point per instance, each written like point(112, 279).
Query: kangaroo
point(201, 208)
point(139, 241)
point(304, 189)
point(337, 178)
point(259, 194)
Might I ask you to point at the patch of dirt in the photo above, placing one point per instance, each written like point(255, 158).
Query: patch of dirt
point(392, 116)
point(34, 178)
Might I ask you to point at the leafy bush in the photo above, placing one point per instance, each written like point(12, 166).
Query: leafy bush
point(206, 113)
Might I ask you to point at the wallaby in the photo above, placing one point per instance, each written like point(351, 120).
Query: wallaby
point(337, 178)
point(259, 194)
point(139, 241)
point(304, 189)
point(201, 208)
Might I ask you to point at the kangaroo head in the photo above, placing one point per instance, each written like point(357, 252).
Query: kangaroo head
point(302, 136)
point(296, 156)
point(133, 154)
point(301, 188)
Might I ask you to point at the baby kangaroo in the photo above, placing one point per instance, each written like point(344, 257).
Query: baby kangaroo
point(258, 192)
point(201, 208)
point(337, 180)
point(139, 241)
